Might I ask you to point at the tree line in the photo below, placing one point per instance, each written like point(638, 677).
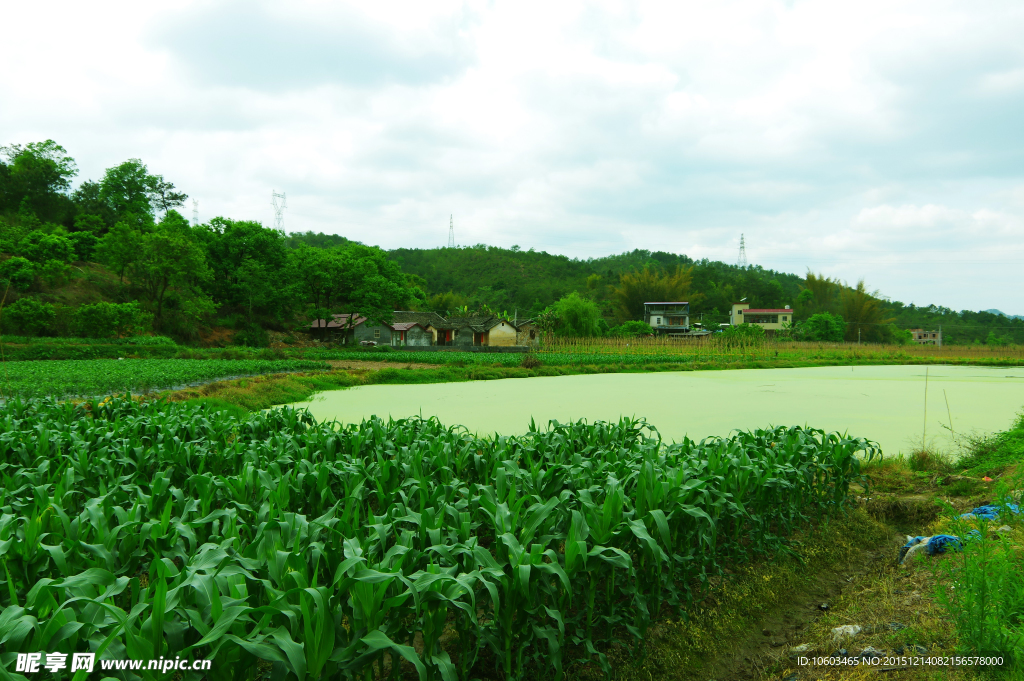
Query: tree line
point(114, 256)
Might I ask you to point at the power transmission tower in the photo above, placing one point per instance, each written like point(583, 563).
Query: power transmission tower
point(451, 231)
point(741, 261)
point(195, 212)
point(278, 209)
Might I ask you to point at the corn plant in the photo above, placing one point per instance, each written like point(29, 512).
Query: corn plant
point(379, 549)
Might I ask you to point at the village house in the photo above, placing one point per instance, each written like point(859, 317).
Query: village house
point(769, 319)
point(528, 334)
point(926, 337)
point(412, 329)
point(668, 318)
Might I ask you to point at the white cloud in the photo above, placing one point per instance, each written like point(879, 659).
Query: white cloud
point(837, 136)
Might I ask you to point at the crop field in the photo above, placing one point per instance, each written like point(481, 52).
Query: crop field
point(638, 352)
point(285, 548)
point(69, 378)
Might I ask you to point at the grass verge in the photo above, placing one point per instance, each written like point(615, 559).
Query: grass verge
point(725, 638)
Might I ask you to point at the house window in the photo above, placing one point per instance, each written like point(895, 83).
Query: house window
point(658, 322)
point(376, 333)
point(784, 318)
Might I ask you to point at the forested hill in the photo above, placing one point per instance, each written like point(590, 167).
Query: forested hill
point(504, 279)
point(113, 257)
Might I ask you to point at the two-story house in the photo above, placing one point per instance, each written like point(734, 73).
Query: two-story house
point(668, 318)
point(769, 319)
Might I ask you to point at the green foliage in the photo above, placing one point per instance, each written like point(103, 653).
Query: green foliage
point(20, 273)
point(337, 550)
point(84, 244)
point(356, 278)
point(119, 248)
point(92, 224)
point(105, 320)
point(73, 378)
point(741, 335)
point(39, 247)
point(821, 327)
point(29, 316)
point(576, 316)
point(54, 273)
point(253, 336)
point(169, 257)
point(652, 285)
point(997, 340)
point(900, 336)
point(35, 179)
point(125, 190)
point(447, 303)
point(632, 328)
point(983, 589)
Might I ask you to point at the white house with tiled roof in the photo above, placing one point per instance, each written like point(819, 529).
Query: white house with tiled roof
point(769, 319)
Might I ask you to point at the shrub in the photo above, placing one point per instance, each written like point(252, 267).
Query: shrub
point(632, 328)
point(823, 327)
point(530, 361)
point(253, 336)
point(29, 316)
point(84, 244)
point(39, 247)
point(106, 320)
point(20, 273)
point(742, 334)
point(54, 273)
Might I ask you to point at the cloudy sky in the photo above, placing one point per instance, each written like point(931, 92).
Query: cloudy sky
point(872, 139)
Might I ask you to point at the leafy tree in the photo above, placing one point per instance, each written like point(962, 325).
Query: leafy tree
point(368, 283)
point(91, 224)
point(315, 271)
point(18, 272)
point(996, 340)
point(820, 294)
point(900, 336)
point(863, 312)
point(120, 248)
point(87, 202)
point(577, 316)
point(29, 316)
point(168, 258)
point(162, 194)
point(822, 327)
point(126, 189)
point(651, 285)
point(248, 263)
point(356, 279)
point(446, 303)
point(36, 179)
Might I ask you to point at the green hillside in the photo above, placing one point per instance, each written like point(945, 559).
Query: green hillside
point(113, 258)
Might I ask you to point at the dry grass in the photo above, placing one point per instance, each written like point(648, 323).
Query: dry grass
point(711, 347)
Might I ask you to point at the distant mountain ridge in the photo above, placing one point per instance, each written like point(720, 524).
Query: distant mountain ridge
point(1008, 316)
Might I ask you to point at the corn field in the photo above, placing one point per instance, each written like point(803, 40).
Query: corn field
point(283, 548)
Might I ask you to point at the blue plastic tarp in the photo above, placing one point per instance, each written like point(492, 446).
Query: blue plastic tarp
point(991, 511)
